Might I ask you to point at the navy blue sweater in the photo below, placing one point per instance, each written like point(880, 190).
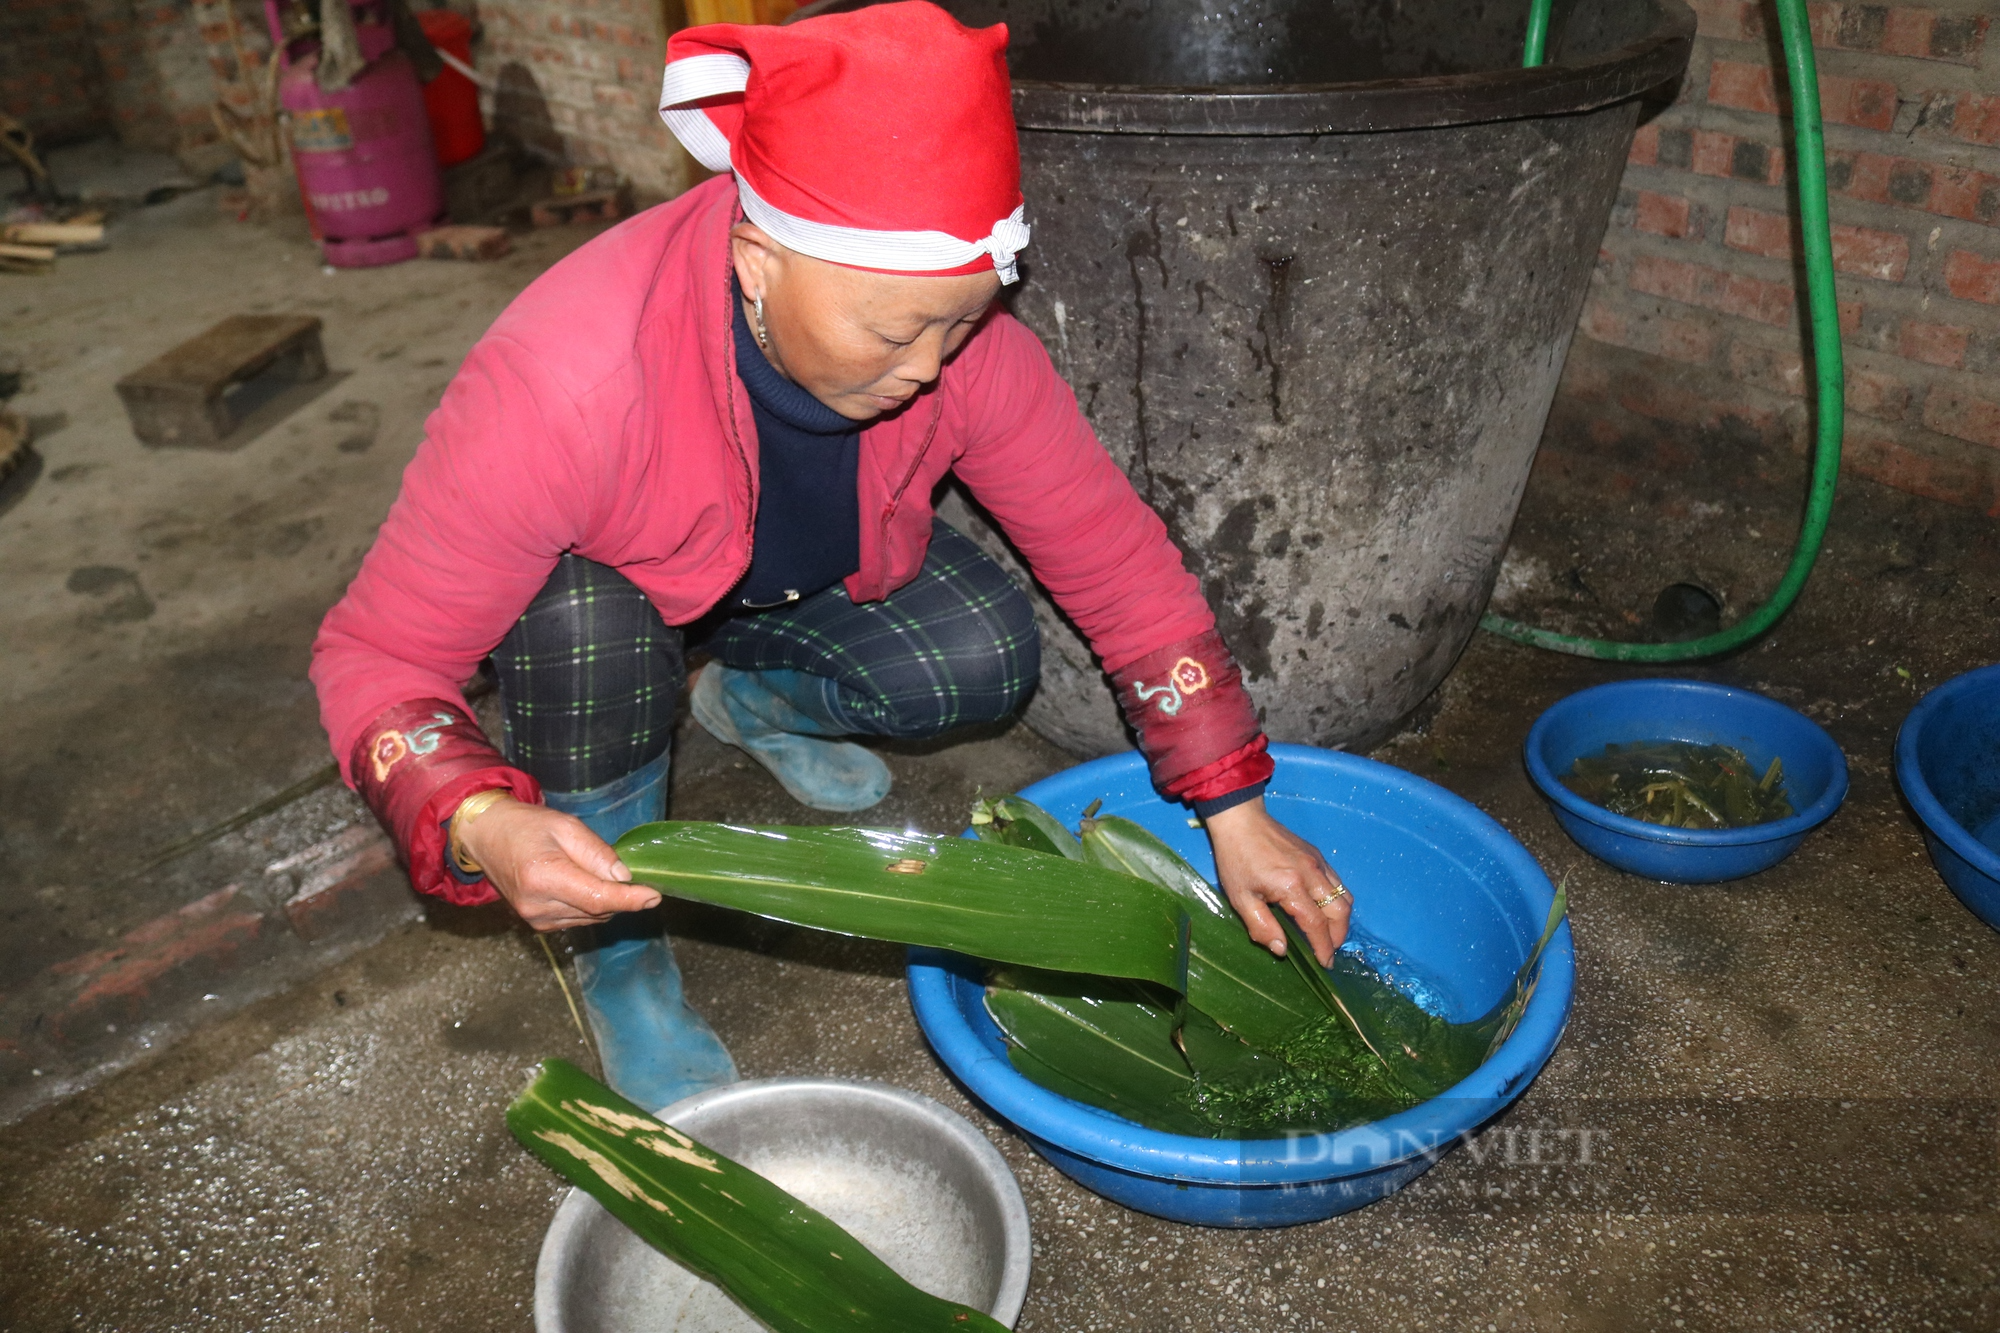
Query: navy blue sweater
point(808, 531)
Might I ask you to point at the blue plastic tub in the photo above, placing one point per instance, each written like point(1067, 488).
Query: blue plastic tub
point(1686, 710)
point(1437, 884)
point(1948, 763)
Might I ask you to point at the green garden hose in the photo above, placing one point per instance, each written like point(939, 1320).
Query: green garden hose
point(1538, 34)
point(1824, 318)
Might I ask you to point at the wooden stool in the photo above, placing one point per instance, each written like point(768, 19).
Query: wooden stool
point(181, 397)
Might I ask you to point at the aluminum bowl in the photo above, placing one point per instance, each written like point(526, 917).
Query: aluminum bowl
point(908, 1178)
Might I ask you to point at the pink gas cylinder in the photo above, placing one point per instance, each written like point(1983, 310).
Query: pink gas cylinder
point(364, 154)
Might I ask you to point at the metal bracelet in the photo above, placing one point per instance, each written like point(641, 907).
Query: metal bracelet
point(468, 810)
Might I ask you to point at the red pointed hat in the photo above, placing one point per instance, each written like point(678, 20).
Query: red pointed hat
point(880, 139)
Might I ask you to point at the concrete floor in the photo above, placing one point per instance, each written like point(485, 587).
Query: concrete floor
point(190, 579)
point(194, 578)
point(1790, 1079)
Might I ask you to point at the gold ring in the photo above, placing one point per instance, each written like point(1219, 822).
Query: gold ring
point(1339, 892)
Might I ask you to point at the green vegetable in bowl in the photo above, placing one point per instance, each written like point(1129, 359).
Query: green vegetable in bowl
point(1258, 1046)
point(1679, 784)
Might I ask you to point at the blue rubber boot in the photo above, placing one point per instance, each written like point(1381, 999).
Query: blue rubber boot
point(780, 719)
point(655, 1049)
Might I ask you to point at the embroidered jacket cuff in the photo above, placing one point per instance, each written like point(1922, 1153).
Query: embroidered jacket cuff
point(1196, 724)
point(413, 765)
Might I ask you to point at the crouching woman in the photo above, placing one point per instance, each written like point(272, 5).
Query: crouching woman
point(720, 425)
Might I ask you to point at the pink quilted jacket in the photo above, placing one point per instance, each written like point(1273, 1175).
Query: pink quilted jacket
point(602, 414)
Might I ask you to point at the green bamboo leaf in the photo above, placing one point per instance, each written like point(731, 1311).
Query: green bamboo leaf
point(1118, 843)
point(1218, 1056)
point(1108, 1044)
point(1094, 1042)
point(785, 1263)
point(1166, 1117)
point(1121, 1047)
point(1424, 1053)
point(1231, 978)
point(1500, 1022)
point(988, 900)
point(1332, 1047)
point(1361, 1013)
point(1019, 823)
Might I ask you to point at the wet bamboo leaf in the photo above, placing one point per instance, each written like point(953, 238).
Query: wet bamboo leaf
point(787, 1264)
point(1217, 1055)
point(1118, 843)
point(1111, 1045)
point(1121, 1047)
point(1327, 984)
point(997, 902)
point(1231, 978)
point(1424, 1053)
point(1336, 1047)
point(1018, 823)
point(1499, 1024)
point(1107, 1044)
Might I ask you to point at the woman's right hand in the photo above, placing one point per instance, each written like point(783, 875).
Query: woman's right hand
point(549, 867)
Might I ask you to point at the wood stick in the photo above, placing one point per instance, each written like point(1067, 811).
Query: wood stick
point(56, 233)
point(39, 254)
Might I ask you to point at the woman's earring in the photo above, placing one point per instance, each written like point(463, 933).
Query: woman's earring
point(763, 334)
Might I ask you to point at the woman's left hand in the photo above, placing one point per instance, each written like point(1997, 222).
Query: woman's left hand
point(1263, 864)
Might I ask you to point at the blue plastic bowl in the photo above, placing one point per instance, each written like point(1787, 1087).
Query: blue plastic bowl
point(1436, 882)
point(1686, 710)
point(1948, 763)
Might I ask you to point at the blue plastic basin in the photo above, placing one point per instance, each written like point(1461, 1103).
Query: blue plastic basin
point(1948, 764)
point(1686, 710)
point(1436, 882)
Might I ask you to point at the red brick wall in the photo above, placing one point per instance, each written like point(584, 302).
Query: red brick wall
point(580, 82)
point(50, 79)
point(159, 84)
point(133, 100)
point(1692, 329)
point(236, 40)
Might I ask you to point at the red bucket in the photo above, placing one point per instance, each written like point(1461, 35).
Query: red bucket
point(451, 99)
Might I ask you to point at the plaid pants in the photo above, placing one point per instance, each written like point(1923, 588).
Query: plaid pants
point(590, 674)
